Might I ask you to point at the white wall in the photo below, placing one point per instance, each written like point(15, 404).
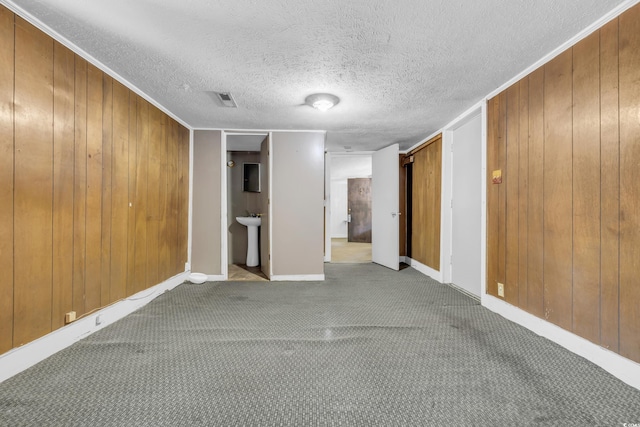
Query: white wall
point(342, 167)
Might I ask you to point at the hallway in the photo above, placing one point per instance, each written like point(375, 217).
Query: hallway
point(368, 346)
point(346, 252)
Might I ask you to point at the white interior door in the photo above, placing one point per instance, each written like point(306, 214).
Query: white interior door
point(466, 207)
point(385, 205)
point(265, 228)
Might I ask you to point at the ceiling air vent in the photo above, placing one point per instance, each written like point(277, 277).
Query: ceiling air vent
point(226, 99)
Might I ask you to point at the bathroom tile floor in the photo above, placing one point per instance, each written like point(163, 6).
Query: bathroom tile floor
point(240, 273)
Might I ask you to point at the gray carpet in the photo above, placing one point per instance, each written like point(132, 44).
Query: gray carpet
point(367, 347)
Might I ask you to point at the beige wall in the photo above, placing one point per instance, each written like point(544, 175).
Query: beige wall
point(239, 203)
point(297, 198)
point(207, 185)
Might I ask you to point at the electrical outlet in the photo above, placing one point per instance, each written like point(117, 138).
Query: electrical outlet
point(501, 290)
point(69, 317)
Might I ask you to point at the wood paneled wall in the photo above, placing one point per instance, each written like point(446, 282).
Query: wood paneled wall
point(93, 187)
point(426, 208)
point(564, 225)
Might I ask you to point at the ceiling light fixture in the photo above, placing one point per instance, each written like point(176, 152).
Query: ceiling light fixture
point(322, 101)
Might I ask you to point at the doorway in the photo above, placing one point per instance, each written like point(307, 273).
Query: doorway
point(243, 200)
point(350, 195)
point(359, 210)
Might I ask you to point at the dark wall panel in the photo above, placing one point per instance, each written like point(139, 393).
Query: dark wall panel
point(63, 164)
point(153, 194)
point(426, 191)
point(93, 220)
point(535, 196)
point(629, 98)
point(120, 192)
point(511, 185)
point(164, 254)
point(6, 177)
point(80, 187)
point(107, 162)
point(558, 174)
point(493, 195)
point(501, 164)
point(586, 188)
point(609, 186)
point(523, 189)
point(142, 159)
point(33, 174)
point(172, 200)
point(132, 148)
point(183, 197)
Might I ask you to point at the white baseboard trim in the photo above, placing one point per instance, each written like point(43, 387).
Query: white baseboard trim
point(426, 270)
point(403, 259)
point(216, 278)
point(298, 278)
point(622, 368)
point(21, 358)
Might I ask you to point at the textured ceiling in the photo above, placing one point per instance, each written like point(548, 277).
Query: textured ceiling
point(402, 68)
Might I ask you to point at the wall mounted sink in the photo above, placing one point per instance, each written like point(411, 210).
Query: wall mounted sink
point(249, 220)
point(252, 223)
